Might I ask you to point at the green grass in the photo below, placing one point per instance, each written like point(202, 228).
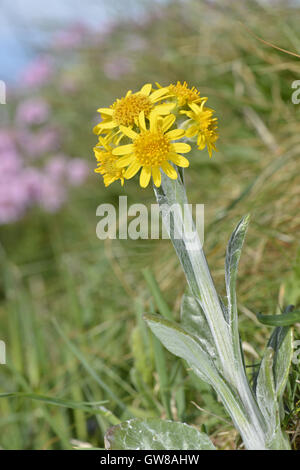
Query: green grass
point(71, 305)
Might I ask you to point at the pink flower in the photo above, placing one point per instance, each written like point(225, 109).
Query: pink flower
point(33, 111)
point(32, 179)
point(38, 72)
point(23, 186)
point(53, 194)
point(57, 167)
point(10, 163)
point(72, 170)
point(71, 37)
point(13, 200)
point(6, 140)
point(35, 144)
point(78, 171)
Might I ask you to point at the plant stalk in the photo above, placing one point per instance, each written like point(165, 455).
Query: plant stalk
point(178, 221)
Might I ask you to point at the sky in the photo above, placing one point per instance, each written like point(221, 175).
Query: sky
point(25, 25)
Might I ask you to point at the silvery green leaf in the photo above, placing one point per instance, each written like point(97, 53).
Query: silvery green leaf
point(171, 197)
point(265, 390)
point(182, 344)
point(233, 254)
point(194, 322)
point(281, 342)
point(268, 403)
point(156, 434)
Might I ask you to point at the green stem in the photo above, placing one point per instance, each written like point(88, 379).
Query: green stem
point(178, 220)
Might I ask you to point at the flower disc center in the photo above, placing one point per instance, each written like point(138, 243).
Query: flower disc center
point(127, 109)
point(152, 148)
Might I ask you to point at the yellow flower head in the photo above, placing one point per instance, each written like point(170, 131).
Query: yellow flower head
point(150, 122)
point(184, 94)
point(202, 124)
point(152, 149)
point(107, 162)
point(125, 111)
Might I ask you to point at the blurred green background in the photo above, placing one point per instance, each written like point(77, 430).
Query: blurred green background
point(70, 304)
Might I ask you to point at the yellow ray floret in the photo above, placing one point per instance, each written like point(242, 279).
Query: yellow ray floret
point(106, 162)
point(184, 94)
point(203, 125)
point(125, 111)
point(152, 149)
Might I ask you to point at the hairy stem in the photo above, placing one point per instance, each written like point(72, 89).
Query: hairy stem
point(178, 221)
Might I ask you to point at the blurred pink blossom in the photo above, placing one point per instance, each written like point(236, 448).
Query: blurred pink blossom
point(78, 171)
point(71, 37)
point(7, 144)
point(52, 195)
point(10, 162)
point(57, 167)
point(116, 67)
point(35, 144)
point(72, 170)
point(32, 181)
point(38, 72)
point(32, 111)
point(23, 185)
point(13, 200)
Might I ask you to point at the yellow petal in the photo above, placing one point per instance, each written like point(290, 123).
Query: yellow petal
point(107, 111)
point(124, 161)
point(156, 175)
point(108, 125)
point(179, 160)
point(189, 114)
point(168, 122)
point(132, 170)
point(118, 138)
point(169, 170)
point(153, 122)
point(195, 108)
point(175, 134)
point(163, 109)
point(97, 129)
point(123, 149)
point(181, 147)
point(201, 142)
point(145, 176)
point(191, 131)
point(142, 121)
point(129, 132)
point(146, 89)
point(157, 94)
point(104, 141)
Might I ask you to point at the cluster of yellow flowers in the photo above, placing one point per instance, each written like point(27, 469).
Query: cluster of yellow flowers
point(141, 132)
